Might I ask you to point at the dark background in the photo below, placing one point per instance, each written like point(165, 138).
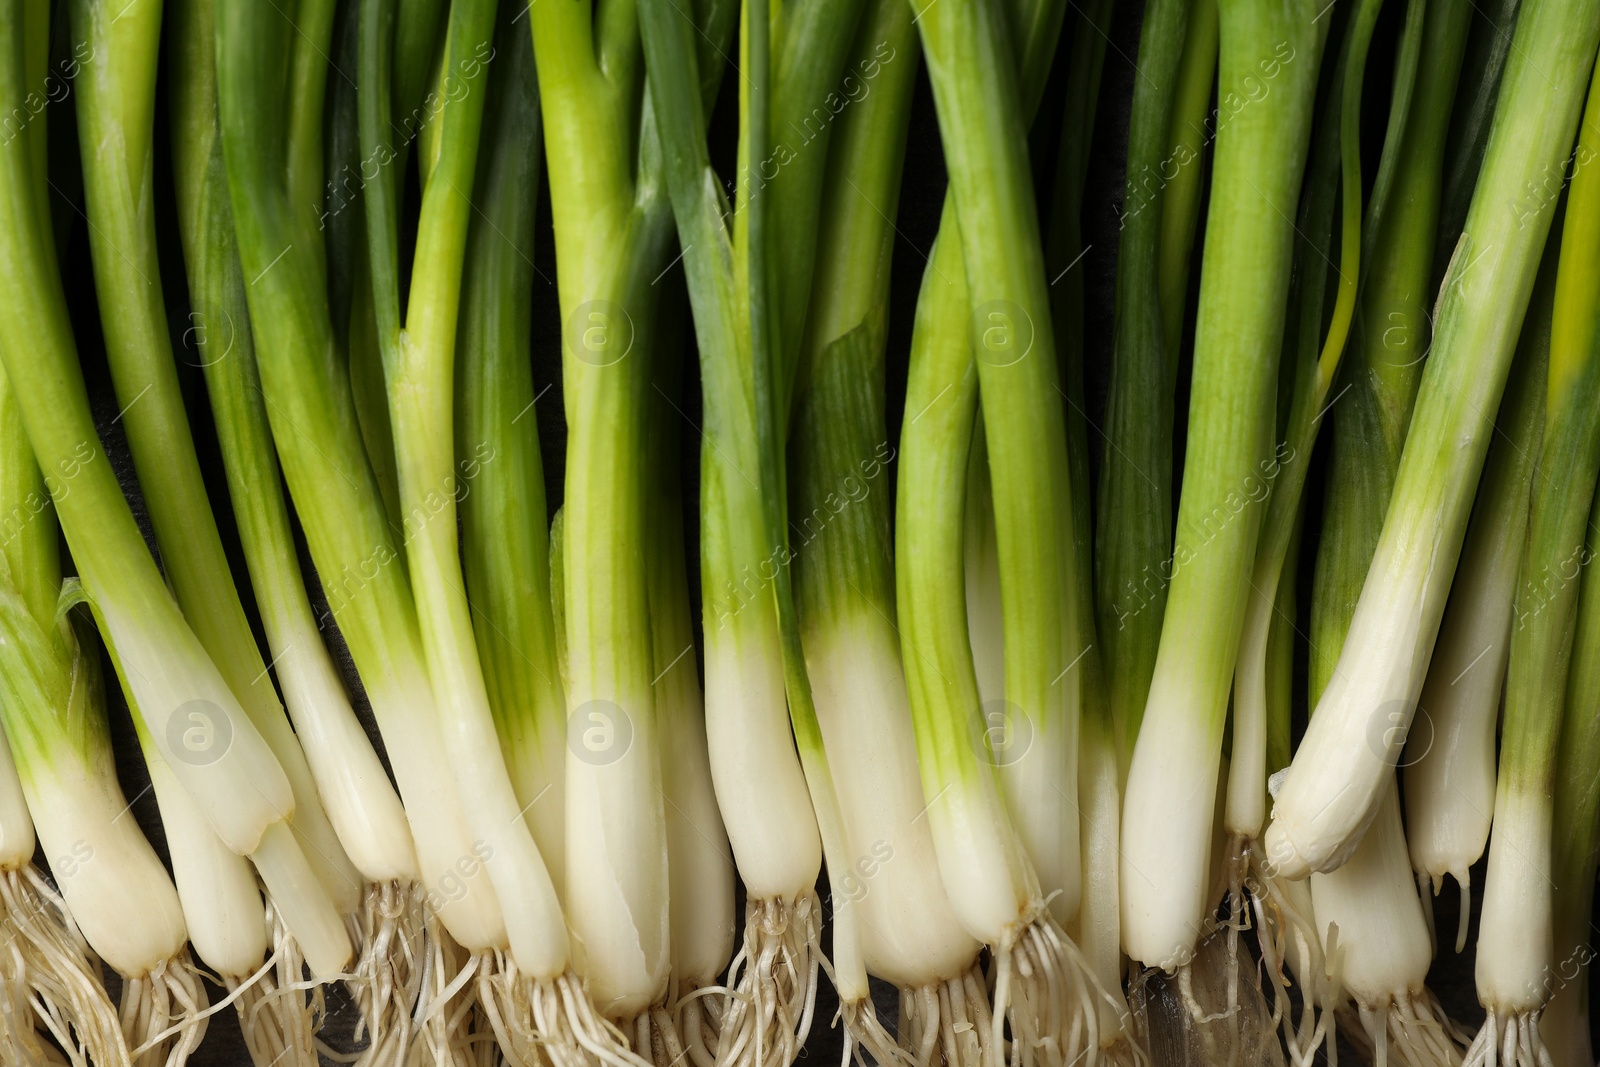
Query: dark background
point(916, 225)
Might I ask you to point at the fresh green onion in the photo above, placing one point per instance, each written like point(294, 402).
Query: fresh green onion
point(269, 87)
point(114, 893)
point(1337, 780)
point(361, 804)
point(1266, 84)
point(243, 789)
point(1133, 540)
point(1450, 759)
point(419, 372)
point(840, 533)
point(701, 893)
point(504, 521)
point(753, 654)
point(1516, 931)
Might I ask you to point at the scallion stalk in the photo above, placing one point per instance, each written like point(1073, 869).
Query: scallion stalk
point(59, 740)
point(754, 657)
point(1268, 69)
point(1336, 781)
point(840, 503)
point(614, 227)
point(243, 789)
point(1450, 761)
point(419, 371)
point(361, 804)
point(1133, 539)
point(701, 893)
point(504, 520)
point(981, 116)
point(115, 107)
point(269, 75)
point(1516, 931)
point(1314, 367)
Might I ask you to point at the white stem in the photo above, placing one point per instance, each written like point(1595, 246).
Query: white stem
point(700, 893)
point(1098, 930)
point(361, 804)
point(300, 899)
point(760, 788)
point(1035, 749)
point(1450, 753)
point(115, 886)
point(217, 887)
point(197, 724)
point(1247, 771)
point(1384, 942)
point(449, 859)
point(1168, 808)
point(909, 932)
point(1515, 968)
point(617, 889)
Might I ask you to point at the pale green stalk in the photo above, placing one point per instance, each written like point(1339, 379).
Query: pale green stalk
point(419, 372)
point(505, 523)
point(361, 804)
point(1270, 56)
point(1516, 930)
point(1338, 777)
point(1313, 366)
point(244, 789)
point(269, 87)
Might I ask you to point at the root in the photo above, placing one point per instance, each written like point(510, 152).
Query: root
point(1291, 952)
point(948, 1024)
point(774, 984)
point(550, 1022)
point(442, 1030)
point(865, 1035)
point(1412, 1030)
point(279, 1022)
point(53, 975)
point(698, 1011)
point(163, 1013)
point(1047, 993)
point(387, 929)
point(570, 1031)
point(1508, 1040)
point(656, 1037)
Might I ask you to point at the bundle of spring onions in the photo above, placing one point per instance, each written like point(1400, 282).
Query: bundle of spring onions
point(537, 471)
